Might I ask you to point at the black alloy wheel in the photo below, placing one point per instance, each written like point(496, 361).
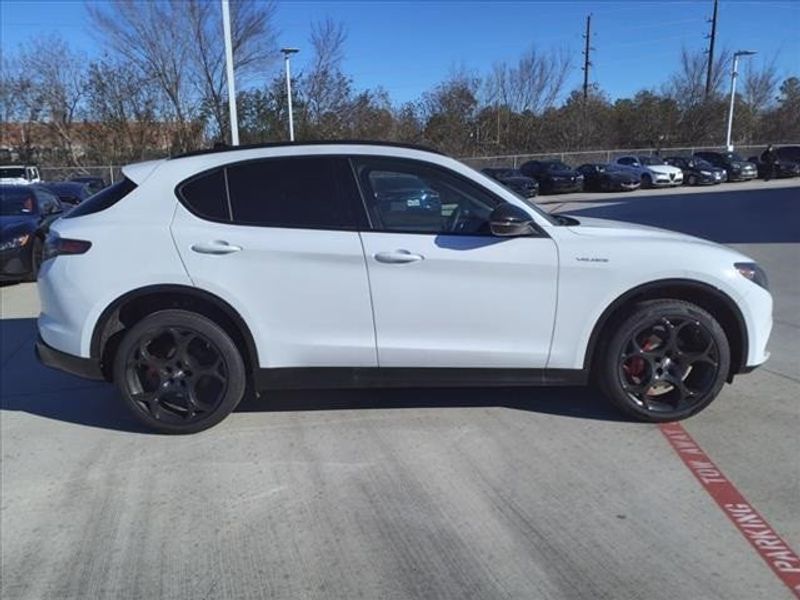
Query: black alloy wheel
point(179, 372)
point(666, 362)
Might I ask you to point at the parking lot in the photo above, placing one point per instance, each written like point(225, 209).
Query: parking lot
point(476, 493)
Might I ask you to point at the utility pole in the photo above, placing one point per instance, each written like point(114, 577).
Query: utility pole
point(287, 53)
point(226, 31)
point(734, 75)
point(712, 38)
point(586, 56)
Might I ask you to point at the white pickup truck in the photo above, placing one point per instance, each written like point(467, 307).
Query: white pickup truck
point(19, 174)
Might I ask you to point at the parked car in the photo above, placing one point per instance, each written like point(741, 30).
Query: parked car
point(69, 192)
point(19, 174)
point(26, 212)
point(282, 266)
point(697, 171)
point(652, 171)
point(735, 166)
point(782, 169)
point(601, 177)
point(790, 153)
point(527, 187)
point(95, 183)
point(553, 176)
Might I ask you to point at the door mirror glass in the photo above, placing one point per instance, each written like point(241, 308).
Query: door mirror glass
point(508, 220)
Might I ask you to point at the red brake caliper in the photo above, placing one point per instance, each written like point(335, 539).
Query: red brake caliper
point(634, 367)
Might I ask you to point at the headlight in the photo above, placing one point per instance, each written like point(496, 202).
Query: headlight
point(754, 273)
point(16, 242)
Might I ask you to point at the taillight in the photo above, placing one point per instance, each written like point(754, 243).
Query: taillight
point(58, 246)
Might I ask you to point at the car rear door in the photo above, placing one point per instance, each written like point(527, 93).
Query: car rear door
point(446, 293)
point(278, 239)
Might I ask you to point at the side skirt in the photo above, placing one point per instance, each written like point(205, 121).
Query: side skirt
point(401, 377)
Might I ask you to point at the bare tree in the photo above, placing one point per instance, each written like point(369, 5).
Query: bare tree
point(687, 84)
point(155, 37)
point(56, 78)
point(253, 40)
point(533, 85)
point(326, 89)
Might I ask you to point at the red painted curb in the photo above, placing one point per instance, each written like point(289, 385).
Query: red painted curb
point(783, 561)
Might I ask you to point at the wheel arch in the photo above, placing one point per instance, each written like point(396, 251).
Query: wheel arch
point(133, 306)
point(721, 306)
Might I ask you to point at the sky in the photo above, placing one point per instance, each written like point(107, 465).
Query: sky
point(407, 47)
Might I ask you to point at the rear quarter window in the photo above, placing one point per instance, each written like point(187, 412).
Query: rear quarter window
point(205, 196)
point(103, 199)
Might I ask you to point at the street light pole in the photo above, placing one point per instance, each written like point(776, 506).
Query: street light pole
point(734, 75)
point(226, 28)
point(287, 52)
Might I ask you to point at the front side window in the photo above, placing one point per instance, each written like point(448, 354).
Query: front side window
point(412, 197)
point(296, 192)
point(627, 160)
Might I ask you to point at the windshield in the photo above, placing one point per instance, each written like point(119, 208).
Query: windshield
point(12, 172)
point(650, 160)
point(15, 202)
point(558, 166)
point(733, 157)
point(701, 163)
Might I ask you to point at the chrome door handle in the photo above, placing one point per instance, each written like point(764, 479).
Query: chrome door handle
point(398, 257)
point(216, 247)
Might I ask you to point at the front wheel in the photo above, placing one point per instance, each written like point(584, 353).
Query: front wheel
point(665, 362)
point(179, 372)
point(692, 180)
point(647, 181)
point(37, 254)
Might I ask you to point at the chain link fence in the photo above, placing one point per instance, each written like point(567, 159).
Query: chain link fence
point(112, 173)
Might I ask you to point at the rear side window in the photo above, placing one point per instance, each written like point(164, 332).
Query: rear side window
point(103, 199)
point(301, 192)
point(206, 197)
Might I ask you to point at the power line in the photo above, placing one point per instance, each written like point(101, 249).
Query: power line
point(712, 39)
point(586, 56)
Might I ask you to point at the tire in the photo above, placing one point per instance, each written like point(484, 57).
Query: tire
point(692, 180)
point(36, 259)
point(665, 362)
point(647, 181)
point(179, 372)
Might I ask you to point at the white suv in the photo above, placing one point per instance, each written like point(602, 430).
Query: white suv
point(356, 264)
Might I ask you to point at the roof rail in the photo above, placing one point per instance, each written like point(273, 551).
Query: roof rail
point(225, 148)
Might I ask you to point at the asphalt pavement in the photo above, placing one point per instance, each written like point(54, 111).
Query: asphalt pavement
point(522, 493)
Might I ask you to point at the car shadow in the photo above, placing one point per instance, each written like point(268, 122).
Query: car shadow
point(27, 386)
point(727, 216)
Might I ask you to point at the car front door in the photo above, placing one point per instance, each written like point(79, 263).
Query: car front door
point(278, 239)
point(445, 291)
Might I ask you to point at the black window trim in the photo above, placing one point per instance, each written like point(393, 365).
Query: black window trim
point(362, 218)
point(537, 233)
point(358, 220)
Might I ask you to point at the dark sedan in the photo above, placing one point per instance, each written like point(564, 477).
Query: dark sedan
point(95, 183)
point(599, 177)
point(26, 212)
point(782, 169)
point(697, 171)
point(737, 168)
point(553, 176)
point(70, 192)
point(513, 179)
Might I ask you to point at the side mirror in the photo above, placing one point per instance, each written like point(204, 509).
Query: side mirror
point(508, 220)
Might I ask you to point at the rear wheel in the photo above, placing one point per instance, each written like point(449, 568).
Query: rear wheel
point(665, 362)
point(179, 372)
